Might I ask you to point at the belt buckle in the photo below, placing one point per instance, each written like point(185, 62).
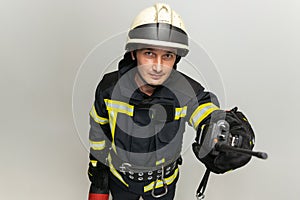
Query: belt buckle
point(124, 167)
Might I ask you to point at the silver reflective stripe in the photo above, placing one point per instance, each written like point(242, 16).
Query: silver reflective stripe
point(97, 118)
point(180, 112)
point(99, 145)
point(201, 113)
point(120, 107)
point(159, 43)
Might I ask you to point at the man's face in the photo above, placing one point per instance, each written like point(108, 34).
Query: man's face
point(155, 65)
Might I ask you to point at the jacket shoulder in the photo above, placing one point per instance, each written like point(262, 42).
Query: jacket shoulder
point(197, 87)
point(108, 80)
point(106, 84)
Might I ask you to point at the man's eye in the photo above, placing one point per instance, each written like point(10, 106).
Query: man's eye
point(169, 56)
point(148, 53)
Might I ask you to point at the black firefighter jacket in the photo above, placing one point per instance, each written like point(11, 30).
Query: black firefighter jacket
point(130, 128)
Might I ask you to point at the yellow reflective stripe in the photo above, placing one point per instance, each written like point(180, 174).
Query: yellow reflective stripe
point(114, 107)
point(112, 122)
point(180, 112)
point(201, 113)
point(161, 161)
point(94, 163)
point(97, 118)
point(159, 183)
point(99, 145)
point(115, 172)
point(119, 106)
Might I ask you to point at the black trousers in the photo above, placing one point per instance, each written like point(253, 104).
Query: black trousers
point(122, 193)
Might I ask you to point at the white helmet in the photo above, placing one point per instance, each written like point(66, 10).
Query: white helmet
point(158, 25)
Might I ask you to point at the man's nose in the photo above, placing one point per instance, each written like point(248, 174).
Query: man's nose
point(157, 65)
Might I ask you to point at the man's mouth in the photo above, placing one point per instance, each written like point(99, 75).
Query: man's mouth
point(156, 76)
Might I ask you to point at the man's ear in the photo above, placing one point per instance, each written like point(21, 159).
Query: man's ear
point(133, 55)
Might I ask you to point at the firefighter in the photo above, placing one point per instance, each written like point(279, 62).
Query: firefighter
point(140, 111)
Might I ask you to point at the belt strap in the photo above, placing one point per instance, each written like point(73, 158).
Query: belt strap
point(150, 175)
point(200, 191)
point(122, 165)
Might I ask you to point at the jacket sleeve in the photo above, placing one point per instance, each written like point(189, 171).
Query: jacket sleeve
point(201, 108)
point(99, 133)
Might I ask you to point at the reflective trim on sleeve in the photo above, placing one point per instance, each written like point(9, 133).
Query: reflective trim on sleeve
point(159, 183)
point(180, 112)
point(97, 118)
point(94, 163)
point(118, 106)
point(97, 145)
point(201, 113)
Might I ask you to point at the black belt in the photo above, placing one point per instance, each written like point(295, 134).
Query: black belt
point(150, 175)
point(138, 173)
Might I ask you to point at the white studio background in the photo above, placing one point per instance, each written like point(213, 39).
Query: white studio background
point(254, 45)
